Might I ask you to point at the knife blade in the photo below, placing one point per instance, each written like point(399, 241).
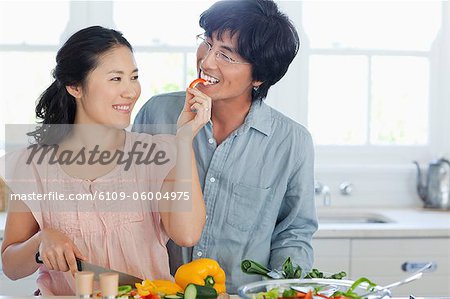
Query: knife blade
point(124, 278)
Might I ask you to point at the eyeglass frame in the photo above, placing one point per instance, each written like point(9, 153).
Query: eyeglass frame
point(218, 53)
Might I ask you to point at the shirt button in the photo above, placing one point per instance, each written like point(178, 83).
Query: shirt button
point(199, 253)
point(210, 140)
point(212, 180)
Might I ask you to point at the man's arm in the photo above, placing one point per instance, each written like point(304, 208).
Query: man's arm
point(297, 220)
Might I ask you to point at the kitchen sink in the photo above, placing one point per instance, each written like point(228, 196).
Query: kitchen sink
point(327, 217)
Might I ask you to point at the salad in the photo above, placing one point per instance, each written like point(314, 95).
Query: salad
point(318, 291)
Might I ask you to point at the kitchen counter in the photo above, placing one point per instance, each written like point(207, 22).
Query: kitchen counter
point(403, 223)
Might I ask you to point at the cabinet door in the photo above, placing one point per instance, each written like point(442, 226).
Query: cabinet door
point(332, 255)
point(381, 261)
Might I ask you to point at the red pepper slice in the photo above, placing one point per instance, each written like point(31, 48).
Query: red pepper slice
point(196, 81)
point(308, 295)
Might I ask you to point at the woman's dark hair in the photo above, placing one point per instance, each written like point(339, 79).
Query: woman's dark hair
point(74, 61)
point(266, 37)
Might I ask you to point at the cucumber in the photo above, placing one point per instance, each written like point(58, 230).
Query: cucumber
point(173, 297)
point(122, 290)
point(195, 291)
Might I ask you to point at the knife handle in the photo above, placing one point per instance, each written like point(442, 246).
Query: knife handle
point(37, 258)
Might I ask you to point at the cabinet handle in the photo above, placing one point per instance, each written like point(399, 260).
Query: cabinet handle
point(414, 266)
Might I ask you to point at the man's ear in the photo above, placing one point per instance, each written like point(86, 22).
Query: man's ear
point(75, 91)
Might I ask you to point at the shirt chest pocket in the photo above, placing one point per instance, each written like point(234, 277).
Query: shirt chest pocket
point(248, 206)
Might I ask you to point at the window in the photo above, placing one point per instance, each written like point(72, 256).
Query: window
point(370, 81)
point(28, 43)
point(369, 71)
point(164, 49)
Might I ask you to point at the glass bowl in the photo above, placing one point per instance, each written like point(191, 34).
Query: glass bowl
point(327, 287)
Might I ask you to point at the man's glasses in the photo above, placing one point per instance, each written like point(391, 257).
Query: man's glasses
point(204, 45)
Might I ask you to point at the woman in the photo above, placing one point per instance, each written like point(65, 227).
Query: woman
point(96, 86)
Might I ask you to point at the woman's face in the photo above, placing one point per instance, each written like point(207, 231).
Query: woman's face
point(110, 91)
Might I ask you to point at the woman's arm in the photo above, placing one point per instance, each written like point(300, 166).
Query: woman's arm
point(184, 223)
point(184, 227)
point(22, 239)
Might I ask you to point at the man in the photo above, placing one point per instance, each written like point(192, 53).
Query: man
point(254, 163)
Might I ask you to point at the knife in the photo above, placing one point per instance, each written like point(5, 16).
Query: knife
point(124, 279)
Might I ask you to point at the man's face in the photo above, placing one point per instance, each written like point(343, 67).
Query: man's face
point(228, 74)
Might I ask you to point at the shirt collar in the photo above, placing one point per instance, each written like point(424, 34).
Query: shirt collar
point(258, 118)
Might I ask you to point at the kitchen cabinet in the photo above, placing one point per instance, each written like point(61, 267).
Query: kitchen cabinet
point(381, 260)
point(332, 255)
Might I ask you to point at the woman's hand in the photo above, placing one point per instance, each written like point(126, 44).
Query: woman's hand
point(201, 104)
point(58, 252)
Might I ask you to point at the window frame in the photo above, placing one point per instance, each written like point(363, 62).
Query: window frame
point(338, 157)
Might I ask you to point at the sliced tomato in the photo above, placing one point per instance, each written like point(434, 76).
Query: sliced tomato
point(196, 81)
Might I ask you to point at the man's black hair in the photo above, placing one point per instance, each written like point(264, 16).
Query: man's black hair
point(266, 37)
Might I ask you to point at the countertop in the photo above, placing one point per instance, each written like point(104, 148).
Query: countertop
point(404, 222)
point(411, 222)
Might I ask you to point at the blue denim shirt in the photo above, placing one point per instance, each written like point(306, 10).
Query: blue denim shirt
point(258, 189)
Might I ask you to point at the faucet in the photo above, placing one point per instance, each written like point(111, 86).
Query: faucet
point(321, 189)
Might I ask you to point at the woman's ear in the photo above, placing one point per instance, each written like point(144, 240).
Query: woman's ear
point(75, 91)
point(256, 84)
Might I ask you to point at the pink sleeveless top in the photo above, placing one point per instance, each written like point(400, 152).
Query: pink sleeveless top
point(126, 235)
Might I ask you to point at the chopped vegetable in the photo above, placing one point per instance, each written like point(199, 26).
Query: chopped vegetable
point(202, 271)
point(271, 294)
point(163, 287)
point(315, 293)
point(290, 271)
point(151, 296)
point(315, 273)
point(195, 291)
point(197, 81)
point(289, 293)
point(166, 287)
point(350, 293)
point(122, 290)
point(252, 267)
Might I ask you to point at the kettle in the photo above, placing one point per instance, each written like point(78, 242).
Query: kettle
point(436, 193)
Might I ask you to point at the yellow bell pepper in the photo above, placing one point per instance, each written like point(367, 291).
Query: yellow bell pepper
point(165, 287)
point(145, 288)
point(202, 271)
